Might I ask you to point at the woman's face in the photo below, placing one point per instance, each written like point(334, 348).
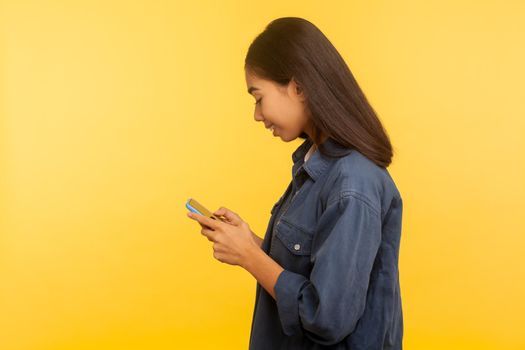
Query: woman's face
point(282, 107)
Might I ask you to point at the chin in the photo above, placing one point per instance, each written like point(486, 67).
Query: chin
point(287, 139)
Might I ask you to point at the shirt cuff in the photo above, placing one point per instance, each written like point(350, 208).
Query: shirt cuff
point(287, 291)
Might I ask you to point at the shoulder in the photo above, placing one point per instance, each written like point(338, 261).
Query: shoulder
point(356, 176)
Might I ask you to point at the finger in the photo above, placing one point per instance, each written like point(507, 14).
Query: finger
point(220, 213)
point(217, 256)
point(232, 217)
point(221, 218)
point(213, 224)
point(204, 226)
point(201, 225)
point(217, 248)
point(210, 234)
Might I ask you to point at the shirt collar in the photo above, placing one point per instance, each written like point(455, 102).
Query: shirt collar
point(317, 164)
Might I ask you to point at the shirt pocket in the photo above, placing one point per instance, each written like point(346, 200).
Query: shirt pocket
point(291, 247)
point(297, 241)
point(292, 240)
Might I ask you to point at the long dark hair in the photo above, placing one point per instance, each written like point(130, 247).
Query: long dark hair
point(292, 47)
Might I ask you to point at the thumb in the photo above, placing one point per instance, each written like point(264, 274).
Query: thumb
point(230, 216)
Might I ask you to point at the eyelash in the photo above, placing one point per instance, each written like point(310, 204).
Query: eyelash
point(258, 101)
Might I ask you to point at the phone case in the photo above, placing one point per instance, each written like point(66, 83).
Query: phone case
point(198, 208)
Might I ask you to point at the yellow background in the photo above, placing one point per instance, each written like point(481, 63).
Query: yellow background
point(114, 113)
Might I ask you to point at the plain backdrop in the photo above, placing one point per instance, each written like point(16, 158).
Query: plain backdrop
point(114, 113)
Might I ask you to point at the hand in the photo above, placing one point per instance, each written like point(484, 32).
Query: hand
point(231, 217)
point(233, 240)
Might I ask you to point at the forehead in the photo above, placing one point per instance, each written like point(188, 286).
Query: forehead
point(251, 78)
point(254, 83)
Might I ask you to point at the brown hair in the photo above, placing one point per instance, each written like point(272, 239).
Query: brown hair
point(292, 47)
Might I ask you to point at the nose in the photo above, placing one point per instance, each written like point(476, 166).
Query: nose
point(257, 116)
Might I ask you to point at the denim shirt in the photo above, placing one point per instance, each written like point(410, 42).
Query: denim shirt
point(336, 232)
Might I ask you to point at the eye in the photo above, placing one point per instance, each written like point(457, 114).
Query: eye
point(258, 101)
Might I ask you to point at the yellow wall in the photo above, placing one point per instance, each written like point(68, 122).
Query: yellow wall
point(114, 113)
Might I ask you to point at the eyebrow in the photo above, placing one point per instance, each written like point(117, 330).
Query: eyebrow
point(251, 89)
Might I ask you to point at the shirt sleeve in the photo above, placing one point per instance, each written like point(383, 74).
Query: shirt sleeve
point(327, 306)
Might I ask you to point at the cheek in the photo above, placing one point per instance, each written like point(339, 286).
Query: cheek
point(294, 120)
point(285, 114)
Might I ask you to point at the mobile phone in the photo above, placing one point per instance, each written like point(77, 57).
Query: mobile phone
point(198, 208)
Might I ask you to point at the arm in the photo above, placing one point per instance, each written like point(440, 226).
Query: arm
point(327, 305)
point(257, 239)
point(263, 268)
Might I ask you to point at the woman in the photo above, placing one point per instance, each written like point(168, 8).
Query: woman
point(327, 268)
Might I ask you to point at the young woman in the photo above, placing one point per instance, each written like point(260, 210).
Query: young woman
point(327, 268)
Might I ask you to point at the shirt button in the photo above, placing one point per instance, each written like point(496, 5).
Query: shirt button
point(297, 247)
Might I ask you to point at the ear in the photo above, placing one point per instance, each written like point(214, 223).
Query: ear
point(297, 89)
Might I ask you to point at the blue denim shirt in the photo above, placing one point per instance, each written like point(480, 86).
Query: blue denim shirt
point(336, 232)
